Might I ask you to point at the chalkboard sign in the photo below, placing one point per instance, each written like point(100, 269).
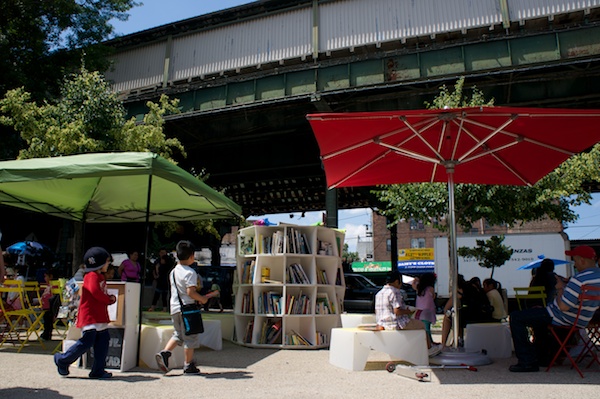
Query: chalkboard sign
point(115, 350)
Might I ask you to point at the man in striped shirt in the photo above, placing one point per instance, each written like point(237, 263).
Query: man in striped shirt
point(562, 312)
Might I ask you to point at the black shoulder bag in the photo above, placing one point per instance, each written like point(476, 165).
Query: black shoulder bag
point(191, 314)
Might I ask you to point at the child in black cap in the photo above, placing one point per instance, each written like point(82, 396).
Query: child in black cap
point(92, 317)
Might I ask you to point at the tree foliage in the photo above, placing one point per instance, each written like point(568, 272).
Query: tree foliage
point(489, 253)
point(41, 40)
point(88, 117)
point(551, 197)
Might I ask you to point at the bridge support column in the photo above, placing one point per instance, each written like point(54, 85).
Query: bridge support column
point(331, 208)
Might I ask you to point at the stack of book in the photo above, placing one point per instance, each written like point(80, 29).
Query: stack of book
point(298, 304)
point(323, 305)
point(295, 338)
point(247, 303)
point(271, 332)
point(248, 335)
point(322, 277)
point(296, 274)
point(248, 272)
point(297, 242)
point(270, 303)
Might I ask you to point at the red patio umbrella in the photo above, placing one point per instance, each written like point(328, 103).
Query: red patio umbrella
point(479, 145)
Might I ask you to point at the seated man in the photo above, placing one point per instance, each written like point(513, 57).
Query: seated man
point(562, 311)
point(392, 314)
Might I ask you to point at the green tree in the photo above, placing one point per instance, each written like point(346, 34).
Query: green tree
point(489, 253)
point(347, 254)
point(41, 40)
point(88, 117)
point(551, 197)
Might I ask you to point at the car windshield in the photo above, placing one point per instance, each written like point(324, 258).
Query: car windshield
point(363, 281)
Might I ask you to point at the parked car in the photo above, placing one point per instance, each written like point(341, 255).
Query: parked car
point(360, 294)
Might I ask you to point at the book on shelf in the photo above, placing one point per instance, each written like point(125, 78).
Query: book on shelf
point(269, 281)
point(270, 303)
point(298, 304)
point(296, 274)
point(248, 271)
point(277, 242)
point(249, 330)
point(321, 338)
point(322, 277)
point(323, 305)
point(246, 245)
point(247, 303)
point(270, 332)
point(273, 332)
point(295, 338)
point(369, 327)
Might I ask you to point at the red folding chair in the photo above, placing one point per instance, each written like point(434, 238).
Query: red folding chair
point(567, 336)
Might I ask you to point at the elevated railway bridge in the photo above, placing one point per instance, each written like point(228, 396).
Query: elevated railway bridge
point(247, 76)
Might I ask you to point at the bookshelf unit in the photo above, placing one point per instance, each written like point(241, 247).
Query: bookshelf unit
point(291, 286)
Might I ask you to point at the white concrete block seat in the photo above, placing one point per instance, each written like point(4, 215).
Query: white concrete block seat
point(493, 338)
point(349, 347)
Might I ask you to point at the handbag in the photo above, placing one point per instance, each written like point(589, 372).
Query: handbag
point(191, 315)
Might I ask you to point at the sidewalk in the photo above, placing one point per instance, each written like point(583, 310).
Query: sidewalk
point(238, 371)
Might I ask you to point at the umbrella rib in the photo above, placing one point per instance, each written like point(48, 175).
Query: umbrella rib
point(486, 139)
point(521, 138)
point(358, 170)
point(410, 154)
point(418, 134)
point(365, 142)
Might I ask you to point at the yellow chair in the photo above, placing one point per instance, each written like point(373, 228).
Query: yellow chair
point(32, 294)
point(21, 324)
point(525, 293)
point(61, 325)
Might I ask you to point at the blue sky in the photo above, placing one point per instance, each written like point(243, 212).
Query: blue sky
point(154, 13)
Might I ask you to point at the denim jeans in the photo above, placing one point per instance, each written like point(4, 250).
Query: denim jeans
point(539, 320)
point(99, 340)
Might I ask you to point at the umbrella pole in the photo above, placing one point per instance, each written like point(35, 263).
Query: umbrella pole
point(453, 255)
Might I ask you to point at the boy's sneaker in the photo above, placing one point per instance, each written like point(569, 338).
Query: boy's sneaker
point(62, 370)
point(104, 376)
point(191, 369)
point(434, 350)
point(162, 359)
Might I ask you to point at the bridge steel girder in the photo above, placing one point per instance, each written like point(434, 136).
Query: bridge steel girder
point(401, 67)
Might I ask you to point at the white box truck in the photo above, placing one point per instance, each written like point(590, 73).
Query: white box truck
point(526, 248)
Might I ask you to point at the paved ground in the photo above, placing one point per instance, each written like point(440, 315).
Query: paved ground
point(244, 372)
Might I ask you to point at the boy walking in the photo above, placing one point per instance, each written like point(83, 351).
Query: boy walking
point(92, 317)
point(184, 281)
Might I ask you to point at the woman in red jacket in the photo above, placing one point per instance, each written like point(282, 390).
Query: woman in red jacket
point(92, 317)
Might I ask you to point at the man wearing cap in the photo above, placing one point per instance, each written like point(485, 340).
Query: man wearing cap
point(562, 312)
point(92, 317)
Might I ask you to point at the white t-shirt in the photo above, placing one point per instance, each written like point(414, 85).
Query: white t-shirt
point(185, 277)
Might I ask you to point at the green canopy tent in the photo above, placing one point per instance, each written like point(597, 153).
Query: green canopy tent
point(117, 187)
point(121, 187)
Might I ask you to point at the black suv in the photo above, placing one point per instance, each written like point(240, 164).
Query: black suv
point(360, 294)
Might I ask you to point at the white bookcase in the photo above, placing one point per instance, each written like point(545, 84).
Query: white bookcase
point(291, 286)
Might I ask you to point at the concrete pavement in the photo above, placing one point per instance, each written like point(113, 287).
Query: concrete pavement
point(238, 371)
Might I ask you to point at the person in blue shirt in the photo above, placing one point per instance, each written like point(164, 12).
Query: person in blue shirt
point(562, 312)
